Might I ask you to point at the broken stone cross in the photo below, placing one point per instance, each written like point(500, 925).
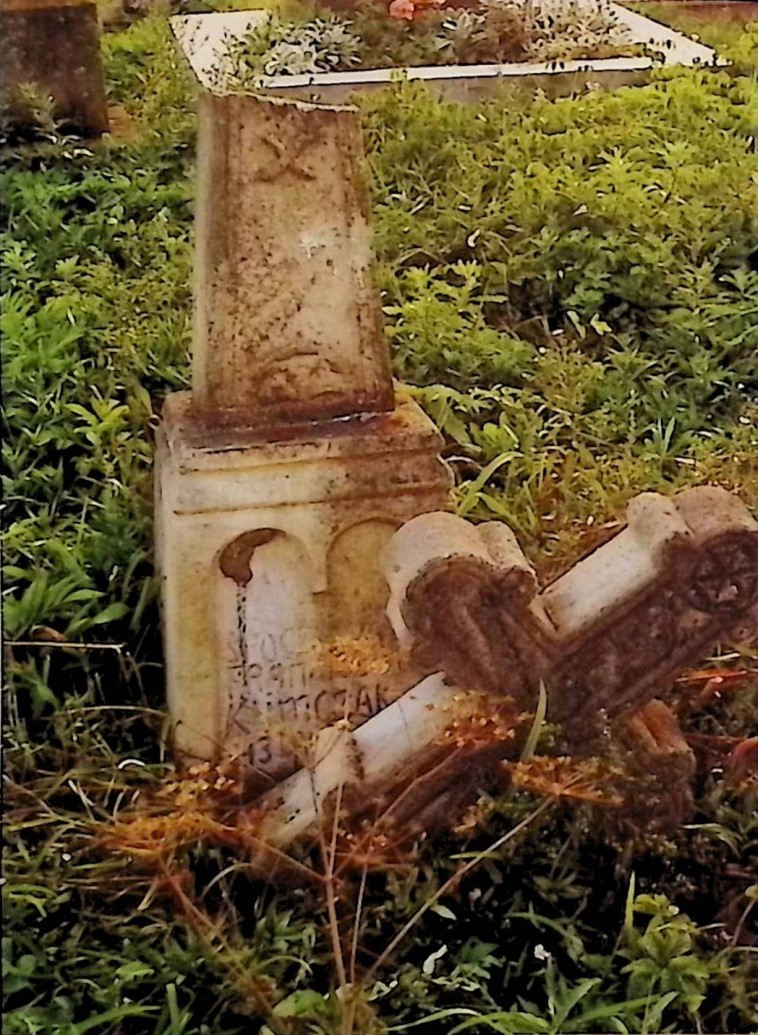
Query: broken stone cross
point(284, 472)
point(603, 640)
point(297, 499)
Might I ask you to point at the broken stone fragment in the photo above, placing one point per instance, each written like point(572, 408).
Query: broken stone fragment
point(743, 760)
point(606, 636)
point(661, 754)
point(53, 47)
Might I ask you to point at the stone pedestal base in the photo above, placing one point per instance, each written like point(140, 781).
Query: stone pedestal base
point(268, 548)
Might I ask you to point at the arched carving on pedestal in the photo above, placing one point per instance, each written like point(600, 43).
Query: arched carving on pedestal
point(357, 588)
point(370, 669)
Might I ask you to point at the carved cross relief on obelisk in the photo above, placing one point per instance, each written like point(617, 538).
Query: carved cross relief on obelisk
point(287, 322)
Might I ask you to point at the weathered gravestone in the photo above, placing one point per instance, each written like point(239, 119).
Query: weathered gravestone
point(53, 48)
point(284, 472)
point(300, 502)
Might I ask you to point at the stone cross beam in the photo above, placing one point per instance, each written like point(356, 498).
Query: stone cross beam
point(606, 636)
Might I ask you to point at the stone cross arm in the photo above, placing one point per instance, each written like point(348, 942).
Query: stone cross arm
point(606, 636)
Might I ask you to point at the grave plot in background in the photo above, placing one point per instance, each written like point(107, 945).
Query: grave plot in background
point(205, 39)
point(52, 48)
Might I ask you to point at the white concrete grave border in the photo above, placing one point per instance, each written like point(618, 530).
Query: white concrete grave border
point(203, 39)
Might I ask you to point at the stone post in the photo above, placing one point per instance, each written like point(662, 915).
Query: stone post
point(54, 46)
point(287, 315)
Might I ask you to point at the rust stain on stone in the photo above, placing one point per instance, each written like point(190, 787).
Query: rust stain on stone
point(235, 559)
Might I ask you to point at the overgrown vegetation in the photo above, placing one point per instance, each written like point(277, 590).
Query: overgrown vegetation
point(573, 287)
point(525, 252)
point(299, 39)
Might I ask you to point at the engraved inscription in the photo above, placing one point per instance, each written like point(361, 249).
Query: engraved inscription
point(279, 692)
point(285, 697)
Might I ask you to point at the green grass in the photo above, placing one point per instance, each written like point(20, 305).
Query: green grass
point(582, 271)
point(722, 31)
point(569, 284)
